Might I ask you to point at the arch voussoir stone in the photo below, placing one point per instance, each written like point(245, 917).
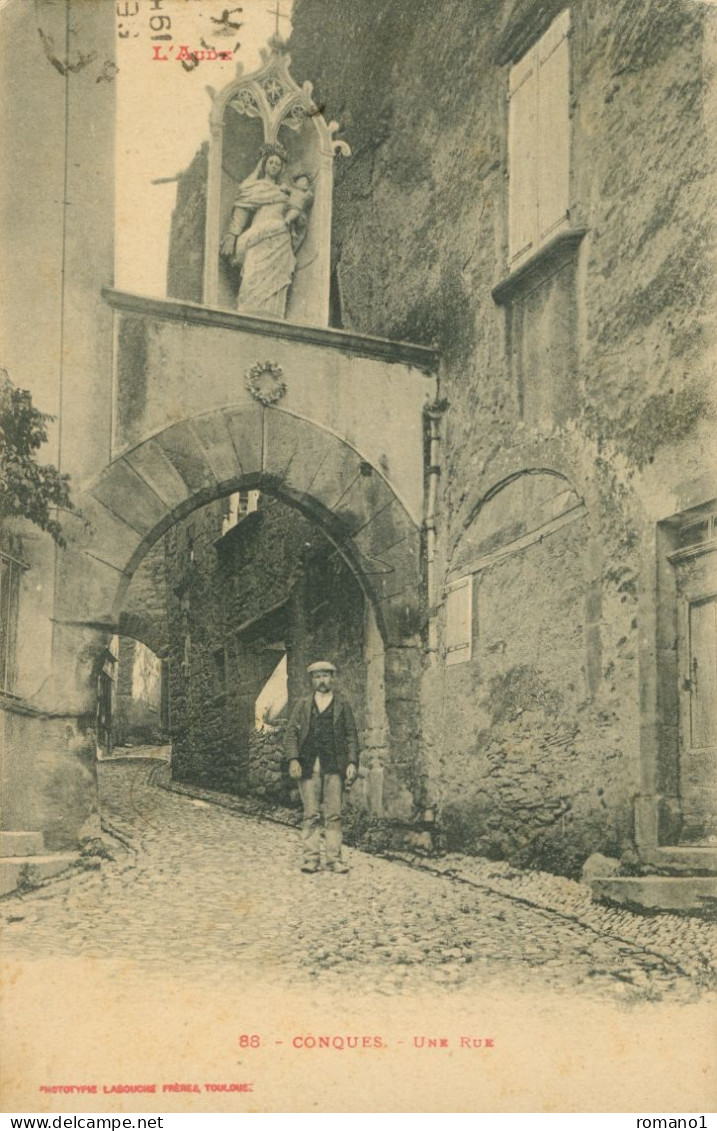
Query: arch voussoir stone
point(368, 497)
point(100, 532)
point(245, 426)
point(124, 491)
point(389, 547)
point(151, 462)
point(295, 449)
point(335, 475)
point(185, 452)
point(213, 434)
point(163, 478)
point(402, 617)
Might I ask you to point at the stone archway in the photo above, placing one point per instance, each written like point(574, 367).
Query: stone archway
point(143, 629)
point(151, 486)
point(162, 479)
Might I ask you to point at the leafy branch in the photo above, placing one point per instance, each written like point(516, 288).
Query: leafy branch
point(28, 489)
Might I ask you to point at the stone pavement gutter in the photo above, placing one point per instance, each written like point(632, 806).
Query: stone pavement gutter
point(687, 942)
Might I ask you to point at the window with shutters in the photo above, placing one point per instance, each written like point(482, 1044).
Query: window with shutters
point(237, 506)
point(10, 571)
point(459, 621)
point(539, 143)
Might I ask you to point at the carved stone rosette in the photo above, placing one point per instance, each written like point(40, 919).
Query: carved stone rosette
point(265, 381)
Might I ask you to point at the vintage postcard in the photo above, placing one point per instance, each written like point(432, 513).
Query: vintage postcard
point(358, 556)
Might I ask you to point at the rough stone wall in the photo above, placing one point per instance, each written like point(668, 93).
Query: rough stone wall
point(185, 267)
point(267, 777)
point(273, 580)
point(541, 758)
point(144, 610)
point(334, 627)
point(52, 787)
point(648, 200)
point(544, 768)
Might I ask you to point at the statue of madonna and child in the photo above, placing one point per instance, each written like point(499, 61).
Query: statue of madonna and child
point(267, 227)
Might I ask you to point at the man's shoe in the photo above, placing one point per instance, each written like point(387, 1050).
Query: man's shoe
point(337, 866)
point(310, 867)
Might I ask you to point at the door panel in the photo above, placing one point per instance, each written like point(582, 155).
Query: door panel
point(703, 673)
point(697, 654)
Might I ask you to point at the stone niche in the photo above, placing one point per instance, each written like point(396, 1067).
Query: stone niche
point(268, 107)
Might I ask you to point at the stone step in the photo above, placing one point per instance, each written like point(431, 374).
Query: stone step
point(683, 858)
point(659, 893)
point(34, 868)
point(20, 844)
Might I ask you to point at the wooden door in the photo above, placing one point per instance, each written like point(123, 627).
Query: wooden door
point(697, 657)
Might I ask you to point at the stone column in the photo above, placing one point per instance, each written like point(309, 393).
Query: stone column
point(50, 779)
point(375, 752)
point(404, 777)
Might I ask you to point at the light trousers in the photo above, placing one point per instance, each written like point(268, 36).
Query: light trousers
point(327, 788)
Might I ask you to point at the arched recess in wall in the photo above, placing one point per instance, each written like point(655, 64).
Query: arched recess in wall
point(516, 590)
point(525, 502)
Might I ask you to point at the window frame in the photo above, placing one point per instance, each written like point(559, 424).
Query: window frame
point(11, 617)
point(524, 69)
point(462, 652)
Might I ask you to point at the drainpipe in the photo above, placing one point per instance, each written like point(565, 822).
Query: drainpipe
point(434, 413)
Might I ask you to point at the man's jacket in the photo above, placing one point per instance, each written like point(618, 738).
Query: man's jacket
point(345, 735)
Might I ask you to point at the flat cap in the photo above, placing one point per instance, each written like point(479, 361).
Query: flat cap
point(321, 666)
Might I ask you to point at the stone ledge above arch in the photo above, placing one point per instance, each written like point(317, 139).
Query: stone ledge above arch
point(178, 361)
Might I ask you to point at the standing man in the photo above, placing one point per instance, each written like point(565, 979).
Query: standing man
point(322, 747)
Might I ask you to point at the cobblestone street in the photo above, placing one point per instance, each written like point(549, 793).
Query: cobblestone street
point(199, 886)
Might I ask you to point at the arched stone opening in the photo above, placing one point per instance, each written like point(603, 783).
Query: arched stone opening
point(139, 708)
point(244, 593)
point(148, 489)
point(144, 630)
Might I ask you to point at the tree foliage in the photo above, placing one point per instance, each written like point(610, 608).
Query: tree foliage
point(28, 489)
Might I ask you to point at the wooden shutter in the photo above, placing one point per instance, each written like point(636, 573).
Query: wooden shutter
point(459, 621)
point(523, 157)
point(553, 73)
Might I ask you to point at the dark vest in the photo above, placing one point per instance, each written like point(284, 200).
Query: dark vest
point(319, 742)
